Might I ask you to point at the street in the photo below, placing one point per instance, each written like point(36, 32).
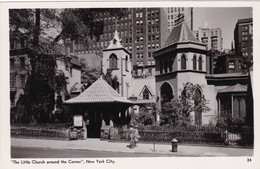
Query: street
point(25, 152)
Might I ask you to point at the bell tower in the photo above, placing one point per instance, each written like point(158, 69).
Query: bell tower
point(116, 59)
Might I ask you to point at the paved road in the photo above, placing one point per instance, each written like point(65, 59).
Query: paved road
point(28, 152)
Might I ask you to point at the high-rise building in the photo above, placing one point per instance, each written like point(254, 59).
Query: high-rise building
point(212, 37)
point(243, 36)
point(172, 15)
point(142, 31)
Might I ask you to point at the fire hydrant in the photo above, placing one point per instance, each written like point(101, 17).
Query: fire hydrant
point(174, 145)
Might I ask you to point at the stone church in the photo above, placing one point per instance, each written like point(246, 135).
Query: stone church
point(184, 60)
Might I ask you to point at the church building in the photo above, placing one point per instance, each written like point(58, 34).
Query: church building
point(183, 60)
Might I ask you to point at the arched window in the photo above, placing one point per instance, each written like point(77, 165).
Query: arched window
point(113, 61)
point(183, 62)
point(161, 66)
point(194, 62)
point(170, 63)
point(165, 65)
point(146, 94)
point(166, 93)
point(200, 63)
point(198, 112)
point(126, 65)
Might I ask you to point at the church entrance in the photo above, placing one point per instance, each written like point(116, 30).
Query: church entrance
point(166, 93)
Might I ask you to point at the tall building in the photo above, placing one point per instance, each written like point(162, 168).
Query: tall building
point(142, 31)
point(212, 37)
point(243, 36)
point(173, 12)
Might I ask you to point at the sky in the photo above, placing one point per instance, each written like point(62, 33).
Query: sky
point(224, 18)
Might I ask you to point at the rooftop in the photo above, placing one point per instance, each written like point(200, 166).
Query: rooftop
point(99, 92)
point(234, 88)
point(180, 33)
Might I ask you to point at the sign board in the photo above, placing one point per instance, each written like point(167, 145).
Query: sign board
point(78, 121)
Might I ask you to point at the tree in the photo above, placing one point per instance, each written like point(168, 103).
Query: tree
point(146, 115)
point(88, 75)
point(111, 80)
point(177, 112)
point(75, 24)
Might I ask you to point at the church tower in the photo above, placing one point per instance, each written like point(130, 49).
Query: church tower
point(181, 60)
point(116, 59)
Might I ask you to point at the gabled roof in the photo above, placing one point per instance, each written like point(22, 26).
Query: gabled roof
point(180, 33)
point(234, 88)
point(146, 88)
point(140, 83)
point(99, 92)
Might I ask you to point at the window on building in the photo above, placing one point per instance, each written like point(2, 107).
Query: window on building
point(198, 113)
point(200, 63)
point(145, 94)
point(165, 65)
point(141, 14)
point(22, 62)
point(239, 106)
point(22, 80)
point(170, 63)
point(161, 66)
point(137, 15)
point(194, 62)
point(240, 64)
point(12, 63)
point(113, 61)
point(12, 80)
point(183, 62)
point(126, 63)
point(12, 44)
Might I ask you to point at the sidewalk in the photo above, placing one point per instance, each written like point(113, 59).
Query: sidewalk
point(98, 145)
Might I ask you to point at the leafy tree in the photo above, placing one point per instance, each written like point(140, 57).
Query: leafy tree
point(75, 24)
point(146, 116)
point(177, 112)
point(88, 75)
point(111, 80)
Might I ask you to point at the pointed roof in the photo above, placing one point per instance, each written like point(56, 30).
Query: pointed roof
point(99, 92)
point(180, 33)
point(234, 88)
point(116, 42)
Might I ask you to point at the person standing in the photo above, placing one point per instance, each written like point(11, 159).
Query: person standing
point(132, 136)
point(136, 135)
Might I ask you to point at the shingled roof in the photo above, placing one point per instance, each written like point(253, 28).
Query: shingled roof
point(180, 33)
point(234, 88)
point(99, 92)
